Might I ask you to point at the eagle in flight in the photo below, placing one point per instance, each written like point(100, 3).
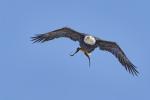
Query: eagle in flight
point(88, 43)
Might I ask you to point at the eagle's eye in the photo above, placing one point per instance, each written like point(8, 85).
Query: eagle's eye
point(88, 37)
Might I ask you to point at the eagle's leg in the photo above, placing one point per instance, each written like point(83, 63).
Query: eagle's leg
point(87, 55)
point(77, 50)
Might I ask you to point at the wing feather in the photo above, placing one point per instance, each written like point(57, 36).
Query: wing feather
point(63, 32)
point(120, 55)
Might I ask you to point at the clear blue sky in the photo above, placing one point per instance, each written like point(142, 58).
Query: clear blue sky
point(47, 72)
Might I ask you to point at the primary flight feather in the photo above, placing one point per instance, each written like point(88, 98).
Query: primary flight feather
point(88, 43)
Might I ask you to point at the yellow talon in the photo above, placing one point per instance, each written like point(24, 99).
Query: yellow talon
point(84, 51)
point(88, 53)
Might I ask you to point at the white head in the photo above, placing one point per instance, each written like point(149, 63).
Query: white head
point(89, 40)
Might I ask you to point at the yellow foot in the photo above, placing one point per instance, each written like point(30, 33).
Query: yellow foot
point(84, 51)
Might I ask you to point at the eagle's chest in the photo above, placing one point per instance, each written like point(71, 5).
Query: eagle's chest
point(86, 47)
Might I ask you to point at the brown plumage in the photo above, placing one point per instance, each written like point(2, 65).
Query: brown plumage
point(88, 44)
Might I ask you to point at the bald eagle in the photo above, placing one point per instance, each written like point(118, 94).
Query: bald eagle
point(88, 43)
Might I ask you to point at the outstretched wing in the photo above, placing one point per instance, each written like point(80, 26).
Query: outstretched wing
point(117, 51)
point(63, 32)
